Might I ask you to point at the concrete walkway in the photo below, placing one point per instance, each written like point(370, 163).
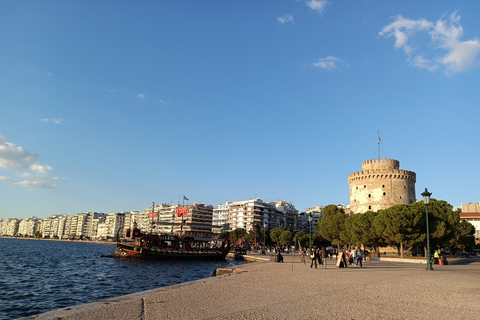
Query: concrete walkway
point(267, 290)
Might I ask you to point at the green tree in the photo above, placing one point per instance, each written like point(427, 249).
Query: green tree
point(275, 235)
point(254, 234)
point(332, 224)
point(303, 238)
point(265, 233)
point(236, 234)
point(365, 230)
point(400, 225)
point(285, 237)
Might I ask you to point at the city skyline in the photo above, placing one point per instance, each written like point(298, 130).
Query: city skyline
point(110, 106)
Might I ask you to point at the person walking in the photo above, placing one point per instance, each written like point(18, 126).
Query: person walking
point(319, 258)
point(354, 256)
point(313, 258)
point(323, 256)
point(360, 258)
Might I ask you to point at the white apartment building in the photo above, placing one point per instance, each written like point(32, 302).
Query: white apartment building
point(54, 226)
point(114, 225)
point(27, 227)
point(221, 214)
point(9, 227)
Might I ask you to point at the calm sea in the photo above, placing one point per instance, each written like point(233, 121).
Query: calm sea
point(39, 276)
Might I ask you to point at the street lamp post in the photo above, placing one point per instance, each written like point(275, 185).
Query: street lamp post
point(264, 227)
point(310, 222)
point(426, 200)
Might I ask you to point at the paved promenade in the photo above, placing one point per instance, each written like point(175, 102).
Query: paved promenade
point(267, 290)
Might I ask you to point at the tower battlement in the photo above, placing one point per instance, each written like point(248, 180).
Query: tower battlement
point(384, 163)
point(380, 185)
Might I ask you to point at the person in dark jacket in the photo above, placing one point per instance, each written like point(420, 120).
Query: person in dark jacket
point(323, 256)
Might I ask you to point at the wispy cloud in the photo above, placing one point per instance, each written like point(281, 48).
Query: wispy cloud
point(53, 120)
point(27, 175)
point(35, 184)
point(4, 178)
point(454, 55)
point(330, 63)
point(162, 101)
point(317, 5)
point(285, 18)
point(110, 90)
point(59, 179)
point(141, 96)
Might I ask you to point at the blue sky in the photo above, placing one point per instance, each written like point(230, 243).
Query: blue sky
point(111, 105)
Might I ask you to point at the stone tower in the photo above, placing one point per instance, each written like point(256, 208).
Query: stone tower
point(380, 185)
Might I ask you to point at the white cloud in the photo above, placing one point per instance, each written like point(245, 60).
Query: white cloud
point(35, 184)
point(4, 178)
point(110, 90)
point(330, 63)
point(59, 179)
point(421, 62)
point(30, 176)
point(162, 101)
point(15, 157)
point(445, 35)
point(286, 18)
point(141, 96)
point(49, 74)
point(317, 5)
point(54, 120)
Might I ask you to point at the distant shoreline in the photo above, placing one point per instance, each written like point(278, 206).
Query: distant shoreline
point(62, 240)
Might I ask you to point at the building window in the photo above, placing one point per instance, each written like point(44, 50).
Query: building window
point(369, 207)
point(384, 193)
point(369, 195)
point(364, 185)
point(383, 186)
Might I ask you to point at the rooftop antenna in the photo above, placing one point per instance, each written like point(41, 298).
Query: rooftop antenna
point(379, 143)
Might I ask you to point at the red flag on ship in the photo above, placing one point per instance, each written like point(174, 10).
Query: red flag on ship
point(182, 211)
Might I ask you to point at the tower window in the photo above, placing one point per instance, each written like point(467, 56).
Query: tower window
point(369, 195)
point(400, 197)
point(383, 186)
point(364, 185)
point(369, 207)
point(384, 193)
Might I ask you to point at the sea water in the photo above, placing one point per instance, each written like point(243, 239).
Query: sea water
point(38, 276)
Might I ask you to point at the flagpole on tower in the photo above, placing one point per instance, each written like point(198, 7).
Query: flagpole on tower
point(379, 143)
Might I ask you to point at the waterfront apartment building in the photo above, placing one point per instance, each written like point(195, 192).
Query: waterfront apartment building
point(248, 213)
point(245, 214)
point(28, 227)
point(286, 214)
point(316, 214)
point(81, 225)
point(198, 219)
point(53, 227)
point(9, 227)
point(114, 225)
point(221, 215)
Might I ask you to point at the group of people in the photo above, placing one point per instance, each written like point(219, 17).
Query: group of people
point(321, 256)
point(355, 256)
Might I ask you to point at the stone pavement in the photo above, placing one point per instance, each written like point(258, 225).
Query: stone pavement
point(267, 290)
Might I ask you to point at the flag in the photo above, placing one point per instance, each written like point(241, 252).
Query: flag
point(185, 198)
point(182, 211)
